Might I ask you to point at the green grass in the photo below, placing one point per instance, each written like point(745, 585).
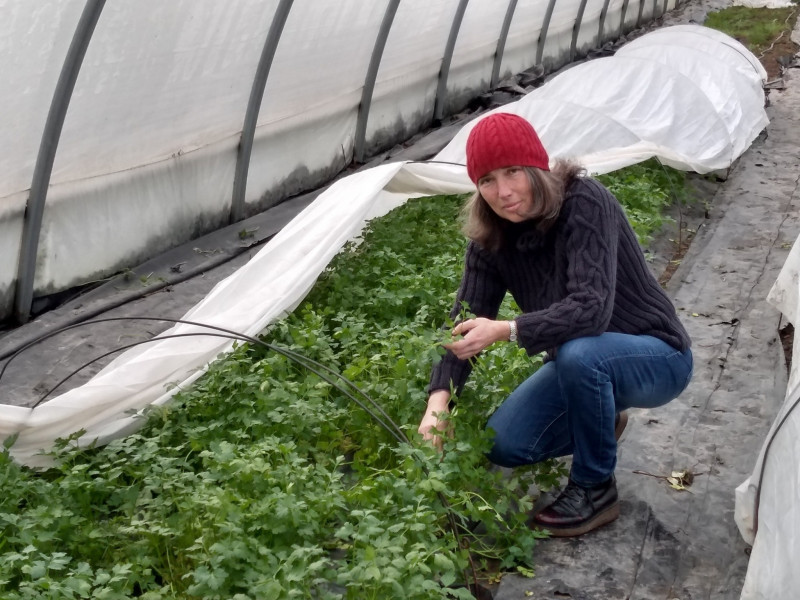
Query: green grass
point(264, 481)
point(756, 28)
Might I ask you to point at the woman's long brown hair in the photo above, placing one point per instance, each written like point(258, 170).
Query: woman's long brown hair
point(483, 226)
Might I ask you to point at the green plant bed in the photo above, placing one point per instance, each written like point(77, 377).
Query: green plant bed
point(265, 481)
point(757, 28)
point(645, 190)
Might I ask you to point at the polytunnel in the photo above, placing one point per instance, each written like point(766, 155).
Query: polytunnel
point(606, 113)
point(147, 125)
point(134, 128)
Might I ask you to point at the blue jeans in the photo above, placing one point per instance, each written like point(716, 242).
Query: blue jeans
point(568, 406)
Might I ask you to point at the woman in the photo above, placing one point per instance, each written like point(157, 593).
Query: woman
point(559, 242)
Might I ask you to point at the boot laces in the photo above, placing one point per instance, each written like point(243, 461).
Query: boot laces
point(573, 497)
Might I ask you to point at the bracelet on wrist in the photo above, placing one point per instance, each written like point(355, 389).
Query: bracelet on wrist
point(512, 331)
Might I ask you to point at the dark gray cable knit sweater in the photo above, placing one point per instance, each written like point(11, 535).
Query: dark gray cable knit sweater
point(587, 275)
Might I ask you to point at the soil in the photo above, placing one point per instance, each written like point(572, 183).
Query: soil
point(668, 247)
point(679, 248)
point(777, 56)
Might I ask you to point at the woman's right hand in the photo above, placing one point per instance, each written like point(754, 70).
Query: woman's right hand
point(435, 417)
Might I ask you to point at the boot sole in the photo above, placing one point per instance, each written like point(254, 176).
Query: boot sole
point(608, 515)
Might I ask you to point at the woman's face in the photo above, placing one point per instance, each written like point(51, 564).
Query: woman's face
point(508, 192)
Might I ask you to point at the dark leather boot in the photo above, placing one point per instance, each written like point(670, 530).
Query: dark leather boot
point(620, 421)
point(578, 510)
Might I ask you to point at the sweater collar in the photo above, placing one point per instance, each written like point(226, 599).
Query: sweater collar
point(524, 236)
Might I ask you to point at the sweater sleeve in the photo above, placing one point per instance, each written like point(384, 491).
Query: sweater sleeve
point(481, 292)
point(589, 236)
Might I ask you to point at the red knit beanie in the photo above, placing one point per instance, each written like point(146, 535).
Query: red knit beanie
point(503, 140)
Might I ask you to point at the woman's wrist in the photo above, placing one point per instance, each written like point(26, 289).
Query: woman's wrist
point(439, 401)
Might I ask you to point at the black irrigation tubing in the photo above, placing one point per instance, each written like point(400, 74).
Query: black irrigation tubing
point(120, 349)
point(392, 430)
point(436, 162)
point(395, 430)
point(232, 337)
point(308, 363)
point(299, 357)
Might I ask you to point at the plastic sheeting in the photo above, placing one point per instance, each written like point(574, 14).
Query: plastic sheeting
point(690, 95)
point(773, 489)
point(606, 113)
point(148, 150)
point(764, 3)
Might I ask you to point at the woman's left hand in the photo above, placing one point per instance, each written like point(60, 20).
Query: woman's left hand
point(479, 333)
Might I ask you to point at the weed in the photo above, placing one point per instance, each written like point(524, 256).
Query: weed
point(645, 190)
point(757, 28)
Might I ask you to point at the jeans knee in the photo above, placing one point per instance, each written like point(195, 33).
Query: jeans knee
point(576, 355)
point(503, 456)
point(504, 452)
point(513, 451)
point(577, 362)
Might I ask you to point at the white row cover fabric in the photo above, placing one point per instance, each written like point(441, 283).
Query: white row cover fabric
point(690, 95)
point(764, 3)
point(679, 94)
point(772, 569)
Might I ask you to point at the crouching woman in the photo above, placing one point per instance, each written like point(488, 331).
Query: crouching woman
point(560, 243)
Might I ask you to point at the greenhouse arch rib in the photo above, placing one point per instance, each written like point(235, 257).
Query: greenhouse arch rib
point(253, 105)
point(622, 14)
point(441, 90)
point(576, 29)
point(601, 26)
point(543, 32)
point(501, 42)
point(371, 77)
point(32, 220)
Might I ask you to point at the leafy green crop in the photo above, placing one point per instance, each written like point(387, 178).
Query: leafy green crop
point(264, 481)
point(645, 190)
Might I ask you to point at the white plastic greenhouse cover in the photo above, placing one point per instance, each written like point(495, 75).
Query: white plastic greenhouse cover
point(768, 502)
point(764, 3)
point(687, 94)
point(162, 121)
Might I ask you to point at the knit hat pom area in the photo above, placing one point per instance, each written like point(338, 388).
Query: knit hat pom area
point(503, 140)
